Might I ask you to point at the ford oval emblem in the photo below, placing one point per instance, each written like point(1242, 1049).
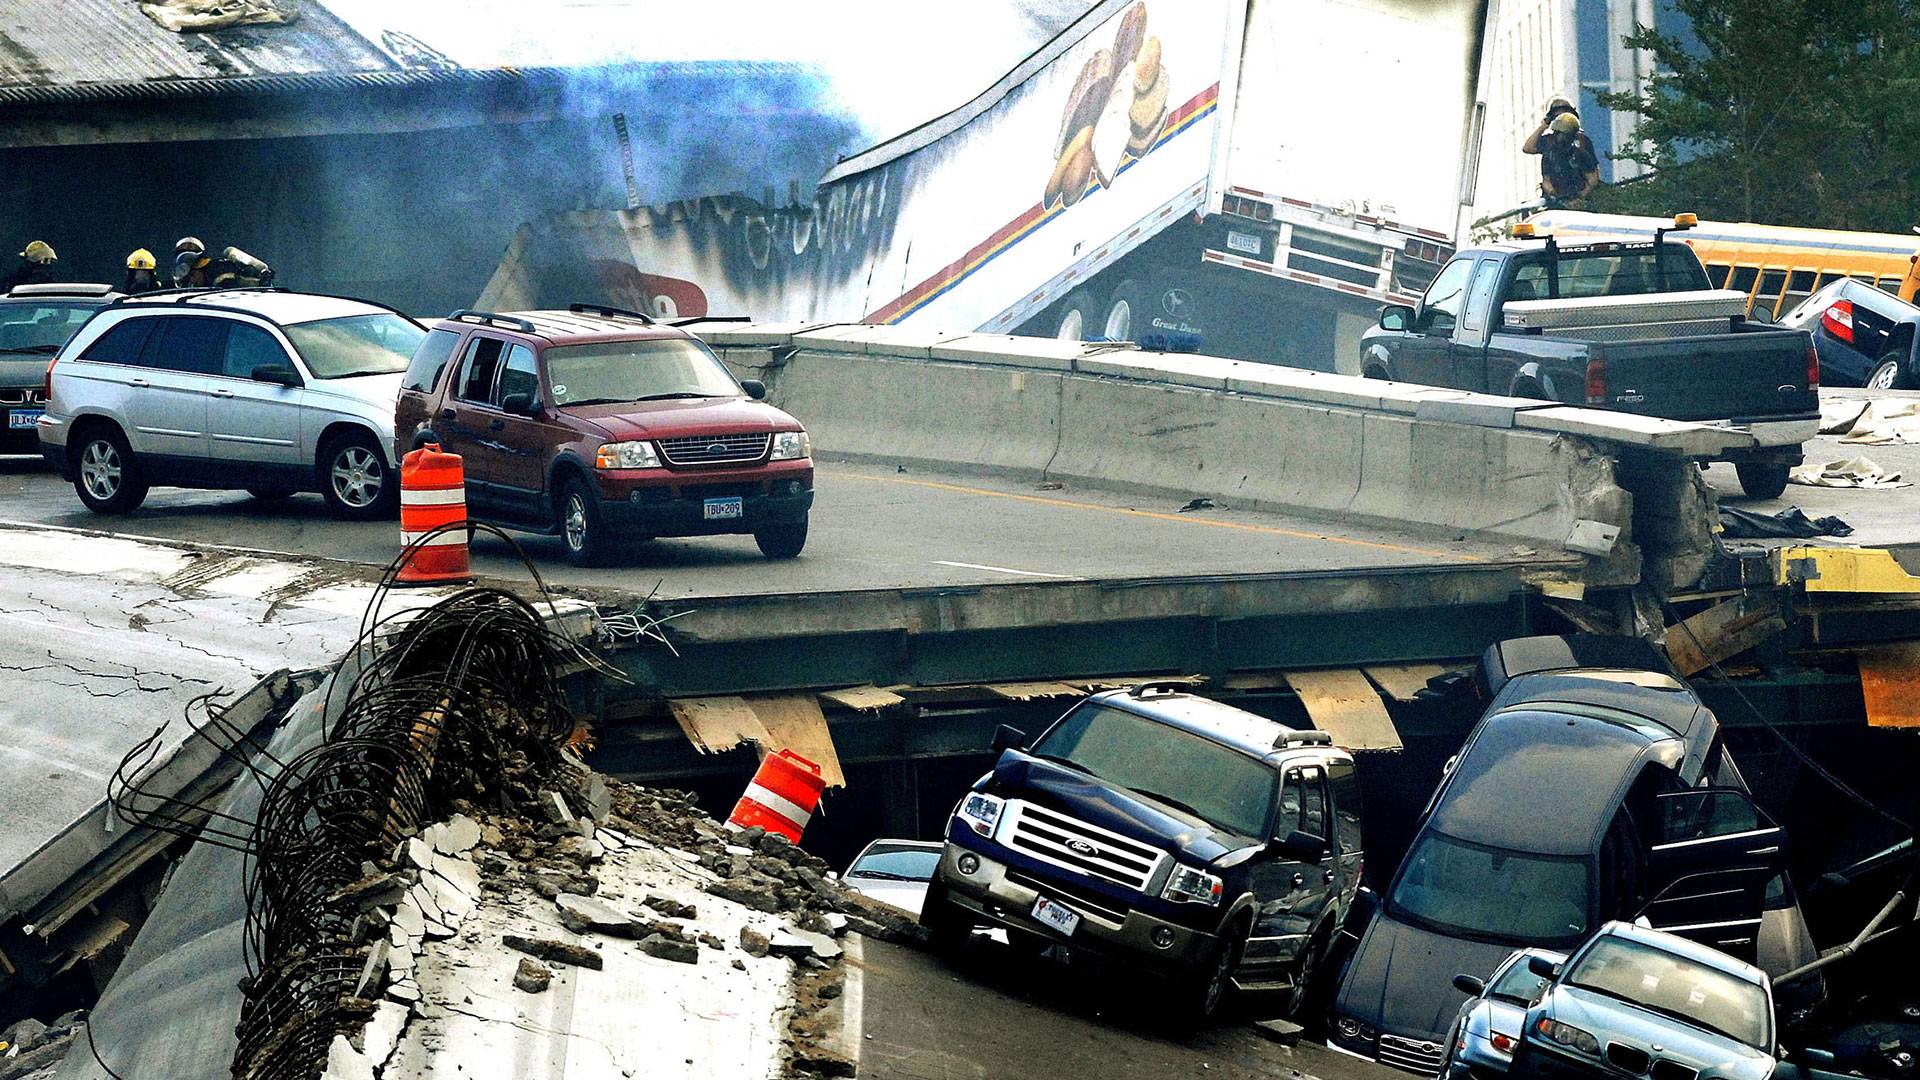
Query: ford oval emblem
point(1081, 847)
point(716, 449)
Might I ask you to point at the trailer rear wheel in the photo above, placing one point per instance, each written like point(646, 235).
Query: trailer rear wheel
point(1077, 315)
point(1763, 479)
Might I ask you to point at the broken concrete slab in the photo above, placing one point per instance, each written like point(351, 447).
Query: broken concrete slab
point(795, 943)
point(554, 951)
point(1280, 1031)
point(666, 948)
point(460, 873)
point(346, 1063)
point(383, 1032)
point(581, 914)
point(532, 976)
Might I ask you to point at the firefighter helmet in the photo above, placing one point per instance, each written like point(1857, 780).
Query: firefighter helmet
point(39, 252)
point(141, 259)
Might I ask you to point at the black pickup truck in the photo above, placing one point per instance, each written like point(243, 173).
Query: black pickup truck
point(1629, 325)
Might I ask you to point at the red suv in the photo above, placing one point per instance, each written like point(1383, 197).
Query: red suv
point(606, 428)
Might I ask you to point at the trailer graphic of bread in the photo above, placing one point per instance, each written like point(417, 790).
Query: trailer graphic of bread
point(1117, 108)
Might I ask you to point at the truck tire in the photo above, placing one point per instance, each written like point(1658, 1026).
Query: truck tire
point(1077, 316)
point(583, 533)
point(1299, 1000)
point(1203, 991)
point(947, 926)
point(1125, 314)
point(105, 474)
point(781, 540)
point(1887, 377)
point(1763, 479)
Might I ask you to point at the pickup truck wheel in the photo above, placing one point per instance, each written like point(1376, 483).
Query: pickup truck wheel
point(582, 531)
point(105, 475)
point(782, 540)
point(1886, 377)
point(947, 927)
point(1763, 480)
point(1303, 978)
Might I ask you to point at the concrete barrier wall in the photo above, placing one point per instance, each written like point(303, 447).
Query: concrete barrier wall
point(1250, 434)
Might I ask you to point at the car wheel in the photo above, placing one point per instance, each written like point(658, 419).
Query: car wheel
point(106, 476)
point(1208, 986)
point(782, 540)
point(583, 531)
point(947, 926)
point(355, 479)
point(1886, 377)
point(1763, 480)
point(1304, 975)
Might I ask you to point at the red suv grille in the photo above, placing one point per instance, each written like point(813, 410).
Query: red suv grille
point(715, 449)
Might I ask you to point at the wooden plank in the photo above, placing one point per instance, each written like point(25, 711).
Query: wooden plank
point(862, 698)
point(1255, 680)
point(1890, 683)
point(1029, 691)
point(1724, 630)
point(716, 724)
point(1402, 681)
point(1345, 704)
point(794, 722)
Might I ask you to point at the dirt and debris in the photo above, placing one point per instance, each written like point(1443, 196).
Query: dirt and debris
point(29, 1046)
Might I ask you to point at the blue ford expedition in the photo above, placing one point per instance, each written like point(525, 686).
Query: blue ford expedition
point(1209, 847)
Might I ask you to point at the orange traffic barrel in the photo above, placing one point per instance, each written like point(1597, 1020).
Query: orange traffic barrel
point(782, 797)
point(433, 493)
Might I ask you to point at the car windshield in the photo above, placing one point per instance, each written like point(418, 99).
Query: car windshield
point(1674, 986)
point(910, 864)
point(378, 344)
point(655, 369)
point(1612, 271)
point(1477, 891)
point(40, 328)
point(1518, 985)
point(1224, 788)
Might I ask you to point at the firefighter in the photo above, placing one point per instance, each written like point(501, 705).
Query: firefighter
point(36, 265)
point(1569, 168)
point(190, 263)
point(141, 273)
point(235, 269)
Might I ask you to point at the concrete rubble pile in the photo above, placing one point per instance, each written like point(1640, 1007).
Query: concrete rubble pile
point(590, 873)
point(28, 1048)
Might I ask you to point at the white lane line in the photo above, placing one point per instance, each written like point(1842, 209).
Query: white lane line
point(852, 997)
point(1002, 570)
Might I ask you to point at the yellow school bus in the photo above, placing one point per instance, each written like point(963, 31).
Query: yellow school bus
point(1777, 267)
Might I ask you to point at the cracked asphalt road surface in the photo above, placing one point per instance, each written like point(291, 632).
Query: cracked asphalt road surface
point(90, 665)
point(996, 1016)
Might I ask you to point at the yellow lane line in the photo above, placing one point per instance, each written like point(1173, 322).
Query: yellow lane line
point(1183, 519)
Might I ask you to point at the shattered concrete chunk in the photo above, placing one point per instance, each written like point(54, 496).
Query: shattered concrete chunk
point(460, 873)
point(532, 975)
point(419, 854)
point(751, 894)
point(753, 941)
point(554, 807)
point(383, 1032)
point(599, 798)
point(409, 917)
point(372, 891)
point(346, 1063)
point(1280, 1031)
point(682, 952)
point(799, 943)
point(25, 1034)
point(552, 951)
point(772, 843)
point(491, 836)
point(581, 914)
point(672, 909)
point(373, 970)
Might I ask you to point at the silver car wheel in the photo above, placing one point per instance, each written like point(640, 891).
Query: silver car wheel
point(1884, 377)
point(100, 469)
point(357, 477)
point(576, 523)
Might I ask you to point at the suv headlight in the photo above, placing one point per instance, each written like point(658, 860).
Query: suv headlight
point(1568, 1035)
point(980, 812)
point(791, 446)
point(1189, 886)
point(1354, 1033)
point(626, 455)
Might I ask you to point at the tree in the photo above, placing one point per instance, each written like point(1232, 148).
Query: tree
point(1787, 112)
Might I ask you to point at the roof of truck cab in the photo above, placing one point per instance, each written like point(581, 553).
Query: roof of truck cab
point(1522, 246)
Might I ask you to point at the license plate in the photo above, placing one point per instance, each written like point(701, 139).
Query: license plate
point(20, 418)
point(722, 509)
point(1057, 915)
point(1246, 243)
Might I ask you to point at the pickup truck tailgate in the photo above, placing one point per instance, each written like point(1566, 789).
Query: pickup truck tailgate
point(1736, 376)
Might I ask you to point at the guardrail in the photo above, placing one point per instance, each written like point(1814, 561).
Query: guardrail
point(1261, 436)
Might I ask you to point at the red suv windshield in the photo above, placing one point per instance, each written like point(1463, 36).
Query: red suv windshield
point(650, 370)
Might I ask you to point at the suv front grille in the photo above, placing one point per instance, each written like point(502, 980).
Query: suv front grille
point(1075, 845)
point(1413, 1055)
point(715, 449)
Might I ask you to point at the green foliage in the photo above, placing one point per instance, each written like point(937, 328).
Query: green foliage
point(1788, 112)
